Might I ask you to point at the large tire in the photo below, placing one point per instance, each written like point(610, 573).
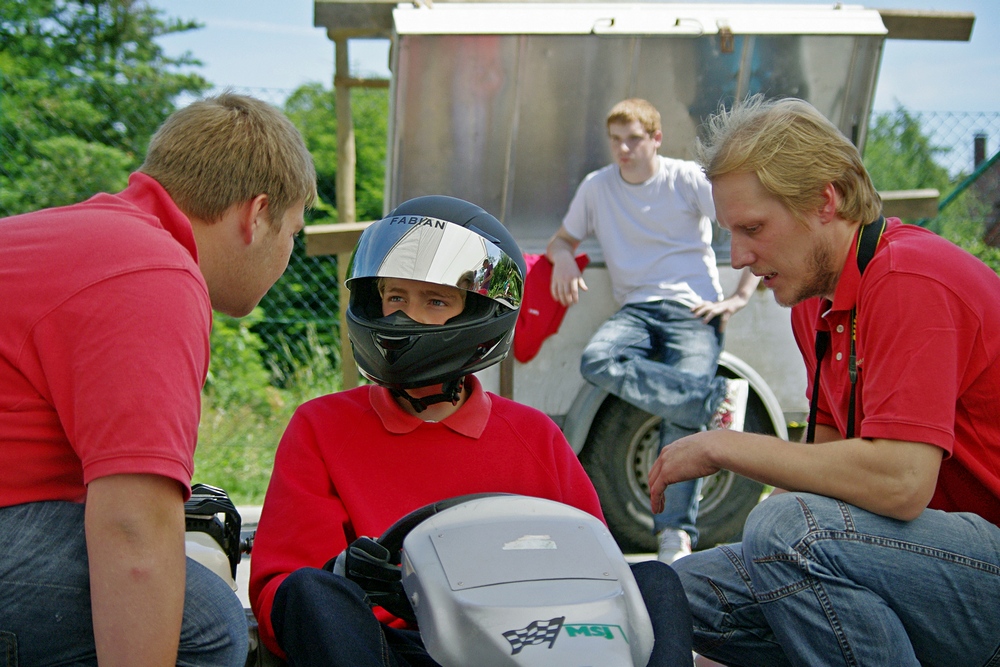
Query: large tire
point(621, 447)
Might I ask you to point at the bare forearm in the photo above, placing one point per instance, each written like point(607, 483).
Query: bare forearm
point(559, 249)
point(135, 545)
point(890, 478)
point(746, 286)
point(567, 281)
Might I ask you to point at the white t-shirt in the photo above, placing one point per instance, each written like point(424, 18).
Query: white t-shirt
point(656, 236)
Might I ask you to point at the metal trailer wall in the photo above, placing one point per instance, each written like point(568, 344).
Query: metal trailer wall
point(505, 107)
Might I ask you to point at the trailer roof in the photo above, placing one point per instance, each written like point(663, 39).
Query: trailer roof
point(693, 20)
point(374, 18)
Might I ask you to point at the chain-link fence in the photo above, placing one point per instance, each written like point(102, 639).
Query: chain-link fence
point(967, 145)
point(307, 296)
point(952, 135)
point(957, 134)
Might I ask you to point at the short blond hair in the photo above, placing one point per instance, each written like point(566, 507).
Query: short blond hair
point(795, 152)
point(635, 109)
point(226, 150)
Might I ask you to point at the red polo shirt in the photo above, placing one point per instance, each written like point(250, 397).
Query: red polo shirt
point(104, 344)
point(928, 346)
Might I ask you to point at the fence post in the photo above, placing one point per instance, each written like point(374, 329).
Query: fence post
point(346, 211)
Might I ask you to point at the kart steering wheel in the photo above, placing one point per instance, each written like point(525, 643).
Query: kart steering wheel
point(374, 565)
point(392, 538)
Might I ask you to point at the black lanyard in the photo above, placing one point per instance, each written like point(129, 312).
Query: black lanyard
point(868, 238)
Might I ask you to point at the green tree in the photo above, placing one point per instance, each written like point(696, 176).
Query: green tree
point(370, 108)
point(309, 292)
point(899, 155)
point(313, 110)
point(83, 85)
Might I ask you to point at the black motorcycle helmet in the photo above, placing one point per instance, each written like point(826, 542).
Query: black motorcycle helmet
point(447, 241)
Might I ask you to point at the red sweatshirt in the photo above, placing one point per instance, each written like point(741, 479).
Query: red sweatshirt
point(352, 463)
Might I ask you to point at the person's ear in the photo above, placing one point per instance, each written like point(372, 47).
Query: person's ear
point(830, 200)
point(253, 218)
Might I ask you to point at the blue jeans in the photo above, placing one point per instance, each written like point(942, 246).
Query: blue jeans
point(662, 359)
point(321, 619)
point(820, 582)
point(45, 616)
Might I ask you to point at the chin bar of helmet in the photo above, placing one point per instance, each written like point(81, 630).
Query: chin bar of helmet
point(451, 391)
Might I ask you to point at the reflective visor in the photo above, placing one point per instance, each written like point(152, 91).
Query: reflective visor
point(436, 251)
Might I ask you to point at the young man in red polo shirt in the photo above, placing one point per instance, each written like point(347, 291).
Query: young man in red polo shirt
point(104, 346)
point(885, 549)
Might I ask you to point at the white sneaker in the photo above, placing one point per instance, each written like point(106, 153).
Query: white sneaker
point(733, 409)
point(674, 544)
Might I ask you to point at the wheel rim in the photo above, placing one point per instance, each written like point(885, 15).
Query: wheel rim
point(642, 451)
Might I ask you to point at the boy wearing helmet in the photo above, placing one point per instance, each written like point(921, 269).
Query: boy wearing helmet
point(350, 464)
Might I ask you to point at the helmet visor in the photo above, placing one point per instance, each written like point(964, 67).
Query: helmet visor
point(437, 251)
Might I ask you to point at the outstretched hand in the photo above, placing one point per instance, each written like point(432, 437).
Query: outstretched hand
point(681, 460)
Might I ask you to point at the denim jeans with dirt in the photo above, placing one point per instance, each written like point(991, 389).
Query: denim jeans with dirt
point(45, 616)
point(818, 582)
point(661, 358)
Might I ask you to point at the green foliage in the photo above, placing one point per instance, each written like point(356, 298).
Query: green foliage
point(962, 222)
point(304, 302)
point(900, 156)
point(237, 375)
point(83, 85)
point(309, 290)
point(244, 415)
point(313, 110)
point(65, 169)
point(370, 108)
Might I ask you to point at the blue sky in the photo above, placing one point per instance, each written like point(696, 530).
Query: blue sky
point(272, 44)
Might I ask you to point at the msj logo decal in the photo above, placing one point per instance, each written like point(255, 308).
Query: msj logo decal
point(594, 630)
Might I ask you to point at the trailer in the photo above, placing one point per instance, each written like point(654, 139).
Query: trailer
point(503, 104)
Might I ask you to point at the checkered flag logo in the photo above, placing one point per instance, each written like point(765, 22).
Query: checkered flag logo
point(537, 632)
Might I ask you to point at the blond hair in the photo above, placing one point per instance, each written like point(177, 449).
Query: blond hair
point(794, 152)
point(635, 109)
point(226, 150)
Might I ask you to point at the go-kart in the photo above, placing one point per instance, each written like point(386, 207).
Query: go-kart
point(492, 580)
point(498, 580)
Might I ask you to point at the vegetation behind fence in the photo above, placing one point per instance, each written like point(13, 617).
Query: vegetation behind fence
point(84, 84)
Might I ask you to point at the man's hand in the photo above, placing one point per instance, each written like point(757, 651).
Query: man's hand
point(567, 281)
point(135, 545)
point(893, 478)
point(681, 460)
point(709, 310)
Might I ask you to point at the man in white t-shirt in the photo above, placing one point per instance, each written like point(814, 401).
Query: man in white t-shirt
point(652, 216)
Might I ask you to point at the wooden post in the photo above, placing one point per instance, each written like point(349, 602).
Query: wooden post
point(346, 209)
point(507, 376)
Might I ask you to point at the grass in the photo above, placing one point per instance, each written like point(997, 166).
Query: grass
point(237, 438)
point(236, 450)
